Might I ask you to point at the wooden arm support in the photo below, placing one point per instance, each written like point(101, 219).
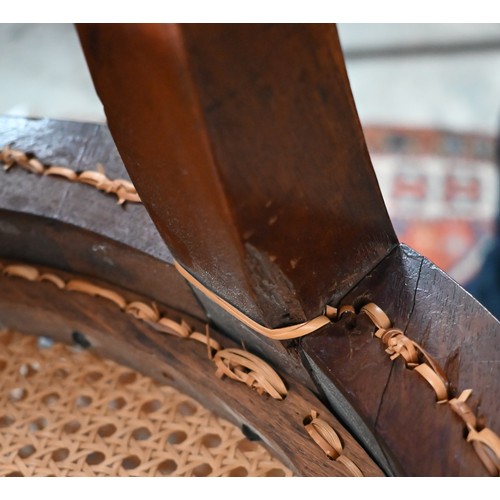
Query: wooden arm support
point(245, 146)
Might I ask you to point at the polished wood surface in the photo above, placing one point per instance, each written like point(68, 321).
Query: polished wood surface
point(78, 231)
point(42, 309)
point(74, 227)
point(398, 408)
point(245, 145)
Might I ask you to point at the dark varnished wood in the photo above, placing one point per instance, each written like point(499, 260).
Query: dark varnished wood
point(417, 436)
point(42, 309)
point(30, 229)
point(74, 227)
point(257, 124)
point(244, 143)
point(70, 227)
point(238, 119)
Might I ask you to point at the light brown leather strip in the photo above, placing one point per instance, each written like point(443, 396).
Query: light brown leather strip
point(460, 407)
point(434, 381)
point(350, 465)
point(91, 289)
point(487, 446)
point(143, 311)
point(378, 317)
point(285, 333)
point(52, 278)
point(65, 172)
point(485, 442)
point(236, 364)
point(123, 189)
point(26, 272)
point(329, 441)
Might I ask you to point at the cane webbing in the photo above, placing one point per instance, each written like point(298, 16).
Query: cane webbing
point(66, 412)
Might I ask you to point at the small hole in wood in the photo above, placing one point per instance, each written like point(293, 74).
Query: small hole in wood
point(131, 462)
point(95, 458)
point(71, 427)
point(166, 467)
point(83, 401)
point(38, 424)
point(249, 433)
point(117, 403)
point(5, 421)
point(127, 378)
point(141, 434)
point(202, 470)
point(3, 364)
point(186, 408)
point(50, 399)
point(106, 430)
point(18, 394)
point(80, 339)
point(275, 473)
point(26, 451)
point(211, 440)
point(177, 437)
point(151, 406)
point(60, 454)
point(238, 472)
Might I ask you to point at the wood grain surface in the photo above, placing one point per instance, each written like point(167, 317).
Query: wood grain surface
point(74, 227)
point(397, 407)
point(42, 309)
point(245, 145)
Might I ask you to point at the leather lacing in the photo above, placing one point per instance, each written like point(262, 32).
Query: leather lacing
point(236, 364)
point(329, 441)
point(245, 367)
point(123, 189)
point(485, 442)
point(285, 333)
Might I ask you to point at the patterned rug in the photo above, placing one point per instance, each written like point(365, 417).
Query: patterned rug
point(442, 193)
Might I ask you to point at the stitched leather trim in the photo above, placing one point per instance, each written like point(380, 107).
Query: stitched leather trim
point(285, 333)
point(236, 364)
point(485, 442)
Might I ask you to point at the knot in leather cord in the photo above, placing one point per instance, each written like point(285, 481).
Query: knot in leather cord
point(247, 368)
point(485, 442)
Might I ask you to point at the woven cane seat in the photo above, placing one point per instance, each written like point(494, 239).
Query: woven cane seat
point(64, 411)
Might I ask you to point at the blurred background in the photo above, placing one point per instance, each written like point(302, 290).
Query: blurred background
point(428, 96)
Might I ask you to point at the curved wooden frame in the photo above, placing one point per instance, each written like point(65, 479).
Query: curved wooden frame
point(199, 141)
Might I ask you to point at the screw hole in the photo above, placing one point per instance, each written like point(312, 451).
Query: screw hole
point(249, 433)
point(80, 339)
